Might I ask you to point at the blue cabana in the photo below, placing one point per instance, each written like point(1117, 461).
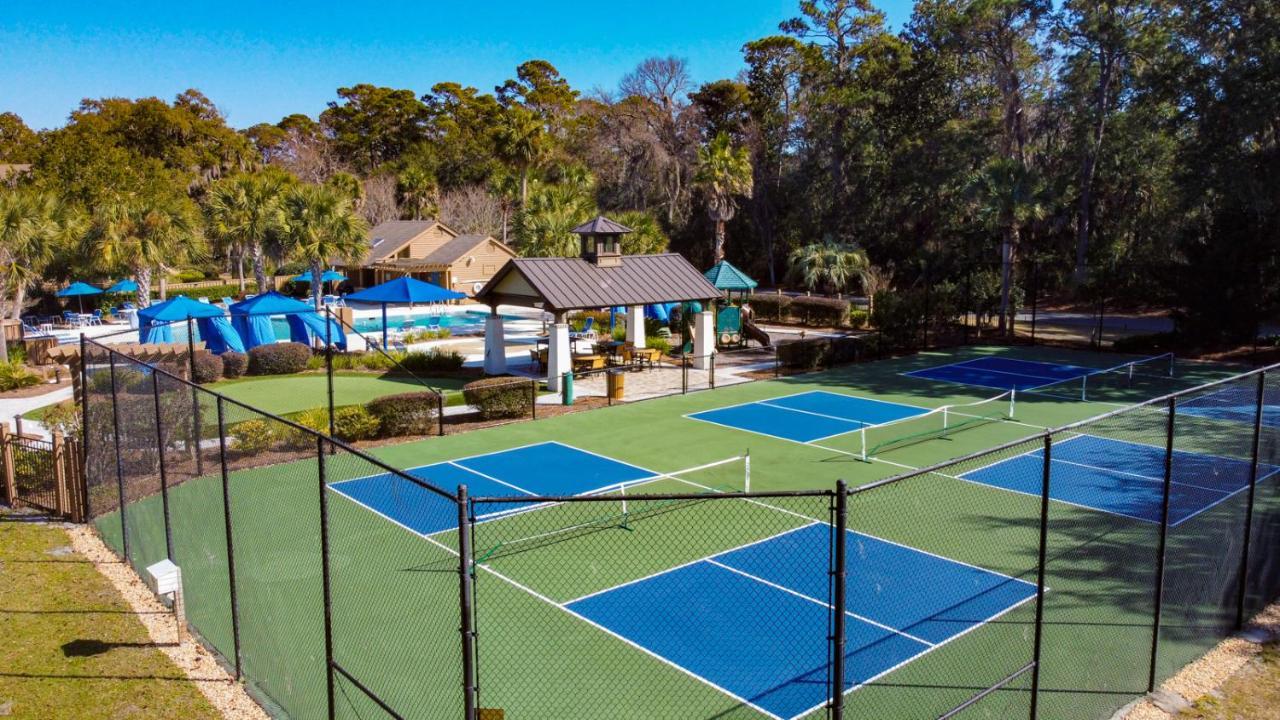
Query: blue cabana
point(402, 291)
point(78, 290)
point(326, 276)
point(252, 319)
point(155, 323)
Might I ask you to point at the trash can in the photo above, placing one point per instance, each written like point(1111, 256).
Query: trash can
point(568, 388)
point(614, 382)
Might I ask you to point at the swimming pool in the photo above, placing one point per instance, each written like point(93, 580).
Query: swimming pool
point(469, 322)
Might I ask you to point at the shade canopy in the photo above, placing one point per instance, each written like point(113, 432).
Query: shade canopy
point(218, 335)
point(272, 303)
point(727, 277)
point(178, 309)
point(326, 276)
point(155, 333)
point(79, 288)
point(123, 286)
point(405, 290)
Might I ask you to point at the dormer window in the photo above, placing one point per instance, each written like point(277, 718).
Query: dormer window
point(601, 241)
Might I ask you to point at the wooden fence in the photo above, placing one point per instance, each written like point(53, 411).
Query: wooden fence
point(45, 475)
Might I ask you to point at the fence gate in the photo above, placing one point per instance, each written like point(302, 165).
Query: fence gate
point(41, 474)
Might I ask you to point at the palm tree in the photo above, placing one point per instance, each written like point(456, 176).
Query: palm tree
point(245, 217)
point(418, 190)
point(1007, 196)
point(143, 236)
point(546, 223)
point(723, 173)
point(646, 236)
point(33, 226)
point(322, 227)
point(522, 143)
point(828, 265)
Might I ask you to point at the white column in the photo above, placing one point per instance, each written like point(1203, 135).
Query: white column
point(704, 339)
point(635, 325)
point(495, 346)
point(558, 358)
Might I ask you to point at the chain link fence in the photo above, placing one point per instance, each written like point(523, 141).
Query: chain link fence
point(1054, 576)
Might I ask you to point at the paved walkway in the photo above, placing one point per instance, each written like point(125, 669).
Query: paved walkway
point(9, 407)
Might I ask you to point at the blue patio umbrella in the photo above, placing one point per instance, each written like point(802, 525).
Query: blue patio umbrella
point(155, 322)
point(78, 290)
point(403, 290)
point(123, 286)
point(326, 276)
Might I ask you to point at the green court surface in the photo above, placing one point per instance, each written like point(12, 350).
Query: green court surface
point(395, 592)
point(283, 394)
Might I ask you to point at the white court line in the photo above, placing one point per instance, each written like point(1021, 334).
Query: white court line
point(489, 477)
point(445, 462)
point(859, 423)
point(802, 596)
point(968, 363)
point(1052, 381)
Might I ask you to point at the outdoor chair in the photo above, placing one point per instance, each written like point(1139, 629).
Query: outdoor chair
point(587, 333)
point(584, 363)
point(227, 301)
point(130, 306)
point(96, 318)
point(204, 300)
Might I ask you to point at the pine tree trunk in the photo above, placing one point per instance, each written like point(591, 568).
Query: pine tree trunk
point(317, 287)
point(1006, 274)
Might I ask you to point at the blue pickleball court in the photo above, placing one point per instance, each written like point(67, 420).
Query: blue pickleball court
point(810, 416)
point(705, 617)
point(549, 468)
point(1235, 403)
point(1124, 478)
point(1003, 373)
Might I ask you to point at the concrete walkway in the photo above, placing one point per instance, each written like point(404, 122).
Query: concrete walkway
point(9, 407)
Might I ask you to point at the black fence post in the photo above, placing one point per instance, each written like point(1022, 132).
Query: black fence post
point(164, 480)
point(83, 461)
point(968, 291)
point(195, 394)
point(115, 427)
point(227, 526)
point(1040, 573)
point(466, 609)
point(324, 574)
point(1243, 591)
point(924, 340)
point(684, 375)
point(838, 601)
point(1163, 545)
point(533, 399)
point(777, 362)
point(711, 372)
point(328, 369)
point(440, 411)
point(1035, 296)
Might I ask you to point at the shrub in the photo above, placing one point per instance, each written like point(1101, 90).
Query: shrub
point(206, 367)
point(820, 310)
point(355, 422)
point(213, 292)
point(805, 354)
point(65, 417)
point(234, 364)
point(433, 360)
point(858, 318)
point(500, 397)
point(14, 375)
point(662, 345)
point(578, 319)
point(405, 413)
point(424, 335)
point(250, 437)
point(771, 307)
point(186, 276)
point(279, 359)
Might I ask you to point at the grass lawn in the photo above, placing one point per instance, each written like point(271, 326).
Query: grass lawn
point(282, 394)
point(70, 646)
point(395, 598)
point(1253, 693)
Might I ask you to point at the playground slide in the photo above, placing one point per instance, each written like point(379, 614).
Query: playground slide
point(752, 332)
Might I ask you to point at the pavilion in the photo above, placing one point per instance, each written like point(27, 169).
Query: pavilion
point(601, 277)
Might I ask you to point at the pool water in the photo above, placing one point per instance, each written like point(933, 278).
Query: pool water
point(466, 323)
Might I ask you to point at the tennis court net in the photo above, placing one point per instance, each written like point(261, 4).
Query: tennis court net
point(505, 526)
point(1126, 383)
point(937, 423)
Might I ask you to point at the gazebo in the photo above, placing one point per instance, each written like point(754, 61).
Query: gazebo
point(601, 277)
point(730, 279)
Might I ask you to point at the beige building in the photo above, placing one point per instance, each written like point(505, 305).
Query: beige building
point(430, 251)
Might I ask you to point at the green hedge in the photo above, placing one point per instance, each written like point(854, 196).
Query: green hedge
point(405, 413)
point(234, 364)
point(206, 367)
point(500, 397)
point(279, 359)
point(820, 311)
point(770, 307)
point(433, 360)
point(215, 293)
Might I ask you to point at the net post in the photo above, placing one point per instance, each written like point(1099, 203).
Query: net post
point(196, 423)
point(622, 490)
point(115, 422)
point(777, 362)
point(946, 418)
point(324, 573)
point(1013, 403)
point(1046, 471)
point(838, 601)
point(466, 610)
point(746, 483)
point(684, 375)
point(1242, 592)
point(227, 530)
point(862, 433)
point(164, 480)
point(1163, 544)
point(1084, 388)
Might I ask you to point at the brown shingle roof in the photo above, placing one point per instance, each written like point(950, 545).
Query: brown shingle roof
point(387, 237)
point(450, 252)
point(573, 283)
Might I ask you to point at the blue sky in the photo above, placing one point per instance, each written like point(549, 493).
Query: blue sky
point(262, 60)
